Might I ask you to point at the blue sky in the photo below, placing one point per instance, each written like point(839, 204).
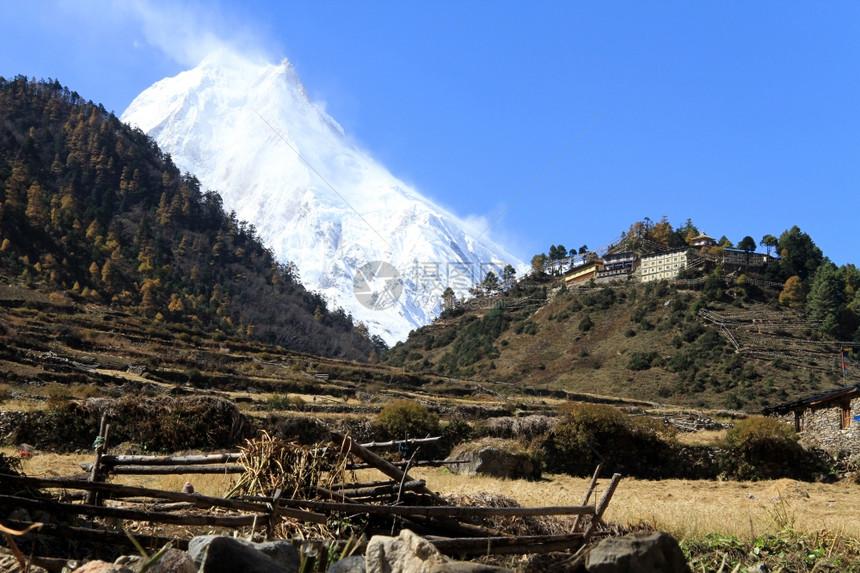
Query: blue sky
point(561, 122)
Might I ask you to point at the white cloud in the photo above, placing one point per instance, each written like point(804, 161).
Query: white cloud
point(187, 32)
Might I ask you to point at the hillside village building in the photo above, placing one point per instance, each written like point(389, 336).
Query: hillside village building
point(737, 258)
point(702, 240)
point(662, 266)
point(584, 272)
point(617, 267)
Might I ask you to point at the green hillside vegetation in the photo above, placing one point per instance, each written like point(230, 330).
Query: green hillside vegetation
point(93, 209)
point(710, 338)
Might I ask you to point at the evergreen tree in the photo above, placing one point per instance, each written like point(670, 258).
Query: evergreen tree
point(826, 298)
point(799, 254)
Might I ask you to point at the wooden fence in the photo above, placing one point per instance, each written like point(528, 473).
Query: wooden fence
point(452, 529)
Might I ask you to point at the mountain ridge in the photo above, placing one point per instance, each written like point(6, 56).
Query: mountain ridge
point(95, 210)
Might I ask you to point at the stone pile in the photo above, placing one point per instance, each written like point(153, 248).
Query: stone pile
point(650, 552)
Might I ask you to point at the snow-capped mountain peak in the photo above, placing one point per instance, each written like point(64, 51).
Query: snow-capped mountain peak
point(364, 239)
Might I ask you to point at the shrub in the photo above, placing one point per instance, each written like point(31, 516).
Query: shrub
point(642, 360)
point(589, 434)
point(586, 324)
point(405, 419)
point(766, 448)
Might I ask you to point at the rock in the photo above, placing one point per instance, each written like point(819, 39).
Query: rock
point(409, 553)
point(652, 552)
point(283, 552)
point(220, 554)
point(9, 564)
point(102, 567)
point(352, 564)
point(173, 561)
point(495, 462)
point(406, 553)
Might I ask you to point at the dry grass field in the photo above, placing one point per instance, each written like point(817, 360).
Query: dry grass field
point(687, 508)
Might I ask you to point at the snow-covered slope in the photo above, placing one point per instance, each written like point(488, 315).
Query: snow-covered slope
point(368, 242)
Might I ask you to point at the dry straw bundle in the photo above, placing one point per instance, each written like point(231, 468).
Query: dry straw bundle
point(300, 472)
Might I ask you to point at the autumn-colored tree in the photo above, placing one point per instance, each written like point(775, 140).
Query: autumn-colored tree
point(793, 293)
point(539, 262)
point(148, 292)
point(37, 212)
point(175, 305)
point(16, 188)
point(662, 231)
point(110, 276)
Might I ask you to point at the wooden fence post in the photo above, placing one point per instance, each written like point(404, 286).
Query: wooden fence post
point(101, 446)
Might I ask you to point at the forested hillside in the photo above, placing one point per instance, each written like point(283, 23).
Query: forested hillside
point(740, 338)
point(93, 209)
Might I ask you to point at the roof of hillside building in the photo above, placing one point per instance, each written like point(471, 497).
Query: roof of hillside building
point(813, 400)
point(702, 238)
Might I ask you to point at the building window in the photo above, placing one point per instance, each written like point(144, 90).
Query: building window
point(798, 421)
point(846, 415)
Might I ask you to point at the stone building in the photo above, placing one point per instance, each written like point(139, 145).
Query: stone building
point(662, 266)
point(830, 421)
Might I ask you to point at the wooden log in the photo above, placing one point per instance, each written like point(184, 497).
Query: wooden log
point(340, 497)
point(128, 504)
point(602, 505)
point(117, 460)
point(170, 470)
point(360, 485)
point(439, 526)
point(588, 493)
point(382, 465)
point(198, 500)
point(398, 442)
point(103, 536)
point(417, 463)
point(434, 510)
point(101, 446)
point(383, 489)
point(52, 507)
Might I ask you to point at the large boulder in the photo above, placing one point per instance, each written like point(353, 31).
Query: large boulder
point(410, 553)
point(221, 554)
point(495, 458)
point(649, 552)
